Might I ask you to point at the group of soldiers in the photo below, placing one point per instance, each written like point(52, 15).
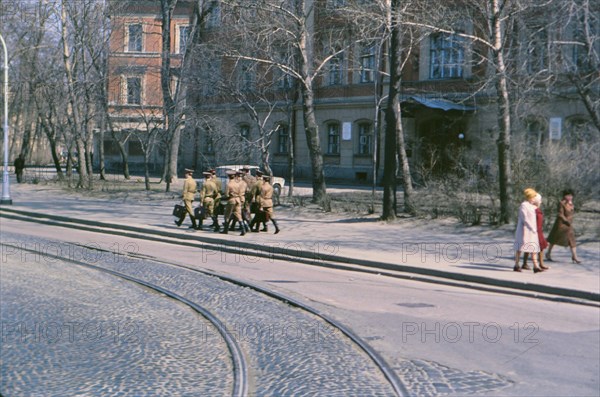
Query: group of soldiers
point(244, 195)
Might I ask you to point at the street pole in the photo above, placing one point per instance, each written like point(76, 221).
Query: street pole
point(5, 182)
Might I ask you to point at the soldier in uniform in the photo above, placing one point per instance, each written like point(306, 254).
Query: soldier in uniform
point(250, 181)
point(243, 188)
point(233, 194)
point(208, 197)
point(218, 207)
point(266, 202)
point(189, 192)
point(255, 196)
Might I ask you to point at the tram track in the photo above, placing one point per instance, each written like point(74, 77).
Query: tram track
point(241, 373)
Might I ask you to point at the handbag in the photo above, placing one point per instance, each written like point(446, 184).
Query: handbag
point(179, 211)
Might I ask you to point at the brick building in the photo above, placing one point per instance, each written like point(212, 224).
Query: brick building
point(448, 109)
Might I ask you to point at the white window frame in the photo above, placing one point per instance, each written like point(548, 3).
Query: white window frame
point(128, 37)
point(446, 56)
point(333, 138)
point(178, 38)
point(125, 89)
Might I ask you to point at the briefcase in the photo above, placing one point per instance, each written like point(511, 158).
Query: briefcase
point(179, 210)
point(199, 213)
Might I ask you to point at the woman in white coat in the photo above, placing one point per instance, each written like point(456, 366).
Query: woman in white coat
point(526, 237)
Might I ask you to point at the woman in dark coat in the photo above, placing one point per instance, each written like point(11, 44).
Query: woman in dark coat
point(562, 232)
point(539, 216)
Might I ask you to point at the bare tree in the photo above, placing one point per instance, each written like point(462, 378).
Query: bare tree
point(291, 29)
point(174, 100)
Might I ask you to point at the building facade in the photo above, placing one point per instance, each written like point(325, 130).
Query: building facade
point(449, 107)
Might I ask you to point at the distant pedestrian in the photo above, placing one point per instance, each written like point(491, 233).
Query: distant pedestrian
point(266, 202)
point(526, 236)
point(539, 216)
point(562, 232)
point(19, 167)
point(188, 195)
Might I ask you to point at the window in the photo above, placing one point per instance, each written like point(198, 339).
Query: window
point(447, 55)
point(210, 74)
point(536, 133)
point(285, 80)
point(537, 51)
point(134, 90)
point(208, 141)
point(333, 138)
point(214, 18)
point(365, 138)
point(135, 148)
point(580, 131)
point(245, 132)
point(335, 70)
point(246, 77)
point(184, 36)
point(111, 148)
point(134, 38)
point(333, 4)
point(367, 65)
point(282, 139)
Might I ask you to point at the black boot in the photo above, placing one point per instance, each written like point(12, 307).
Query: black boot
point(194, 224)
point(243, 232)
point(252, 223)
point(215, 224)
point(179, 221)
point(225, 228)
point(276, 226)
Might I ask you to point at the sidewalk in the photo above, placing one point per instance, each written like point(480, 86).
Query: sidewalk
point(428, 248)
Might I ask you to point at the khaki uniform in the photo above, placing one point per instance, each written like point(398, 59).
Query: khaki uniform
point(234, 192)
point(189, 193)
point(265, 200)
point(209, 196)
point(219, 186)
point(250, 182)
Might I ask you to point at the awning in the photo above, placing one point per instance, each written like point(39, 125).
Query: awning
point(443, 104)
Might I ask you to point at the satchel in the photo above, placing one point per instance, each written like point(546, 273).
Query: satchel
point(199, 212)
point(179, 211)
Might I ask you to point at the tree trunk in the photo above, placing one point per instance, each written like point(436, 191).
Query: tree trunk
point(167, 7)
point(313, 140)
point(504, 121)
point(392, 115)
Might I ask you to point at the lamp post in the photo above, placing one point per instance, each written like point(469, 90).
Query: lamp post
point(5, 182)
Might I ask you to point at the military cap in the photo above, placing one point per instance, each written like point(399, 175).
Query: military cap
point(266, 177)
point(259, 173)
point(212, 171)
point(207, 173)
point(189, 171)
point(231, 173)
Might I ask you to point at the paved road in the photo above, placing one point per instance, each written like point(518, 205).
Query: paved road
point(51, 308)
point(413, 325)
